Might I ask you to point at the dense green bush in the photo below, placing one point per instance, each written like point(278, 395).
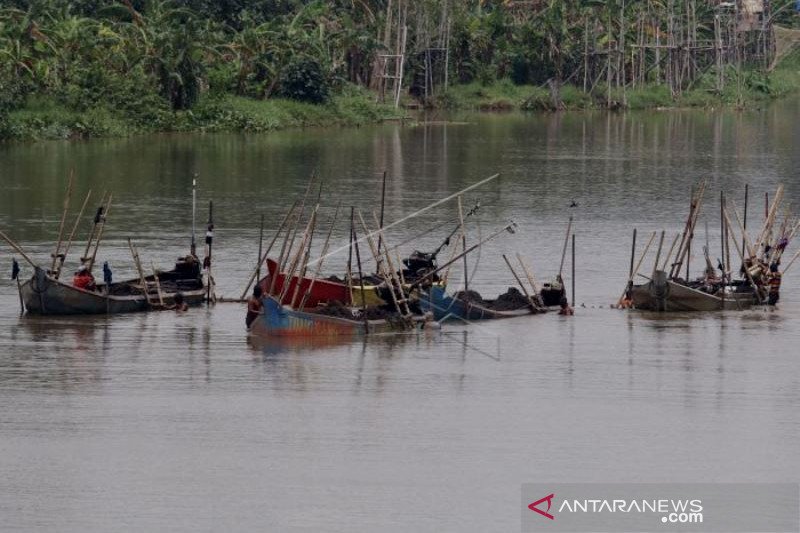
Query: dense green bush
point(304, 80)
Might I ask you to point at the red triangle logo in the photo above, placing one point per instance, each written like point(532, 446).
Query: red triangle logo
point(549, 500)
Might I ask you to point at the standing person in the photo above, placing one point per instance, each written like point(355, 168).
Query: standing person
point(254, 306)
point(774, 284)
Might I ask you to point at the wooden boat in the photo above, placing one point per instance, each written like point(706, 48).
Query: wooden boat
point(443, 306)
point(283, 321)
point(45, 295)
point(322, 292)
point(664, 294)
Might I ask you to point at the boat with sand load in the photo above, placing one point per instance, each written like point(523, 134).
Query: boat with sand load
point(719, 288)
point(46, 293)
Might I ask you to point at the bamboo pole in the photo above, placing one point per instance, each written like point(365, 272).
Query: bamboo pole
point(318, 268)
point(375, 256)
point(63, 221)
point(521, 285)
point(529, 274)
point(745, 238)
point(383, 209)
point(564, 250)
point(508, 227)
point(95, 222)
point(573, 270)
point(100, 234)
point(741, 256)
point(138, 264)
point(354, 244)
point(278, 265)
point(260, 248)
point(633, 254)
point(287, 281)
point(636, 269)
point(669, 253)
point(463, 242)
point(158, 285)
point(791, 262)
point(658, 253)
point(305, 255)
point(296, 223)
point(72, 234)
point(390, 273)
point(263, 257)
point(18, 249)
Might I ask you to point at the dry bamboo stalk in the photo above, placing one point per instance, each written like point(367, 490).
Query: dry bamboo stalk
point(771, 214)
point(299, 217)
point(100, 233)
point(638, 265)
point(694, 213)
point(394, 280)
point(658, 253)
point(318, 269)
point(85, 255)
point(19, 250)
point(741, 257)
point(63, 221)
point(671, 249)
point(305, 254)
point(72, 233)
point(278, 267)
point(463, 242)
point(138, 264)
point(564, 250)
point(158, 285)
point(529, 275)
point(377, 260)
point(521, 285)
point(287, 282)
point(750, 249)
point(791, 262)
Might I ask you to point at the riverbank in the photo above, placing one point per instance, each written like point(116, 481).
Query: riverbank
point(43, 119)
point(745, 90)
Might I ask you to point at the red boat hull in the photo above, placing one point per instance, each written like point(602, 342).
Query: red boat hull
point(322, 292)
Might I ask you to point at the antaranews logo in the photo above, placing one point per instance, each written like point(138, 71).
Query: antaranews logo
point(673, 511)
point(660, 507)
point(546, 514)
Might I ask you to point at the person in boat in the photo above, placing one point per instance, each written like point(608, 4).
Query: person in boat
point(565, 310)
point(774, 284)
point(180, 303)
point(83, 279)
point(254, 306)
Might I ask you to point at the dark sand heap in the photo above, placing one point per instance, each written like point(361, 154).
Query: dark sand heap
point(510, 300)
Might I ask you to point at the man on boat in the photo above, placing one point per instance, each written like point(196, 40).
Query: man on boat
point(774, 284)
point(565, 310)
point(83, 279)
point(254, 306)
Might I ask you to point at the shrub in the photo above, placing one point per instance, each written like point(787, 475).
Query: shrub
point(305, 81)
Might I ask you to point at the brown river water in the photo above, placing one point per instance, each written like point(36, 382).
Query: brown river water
point(180, 422)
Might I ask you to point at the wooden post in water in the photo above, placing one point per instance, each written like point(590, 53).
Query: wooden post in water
point(210, 294)
point(260, 248)
point(746, 195)
point(573, 270)
point(383, 209)
point(463, 243)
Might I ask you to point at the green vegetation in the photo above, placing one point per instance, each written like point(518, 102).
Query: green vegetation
point(81, 68)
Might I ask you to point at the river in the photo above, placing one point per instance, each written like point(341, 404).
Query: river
point(180, 422)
